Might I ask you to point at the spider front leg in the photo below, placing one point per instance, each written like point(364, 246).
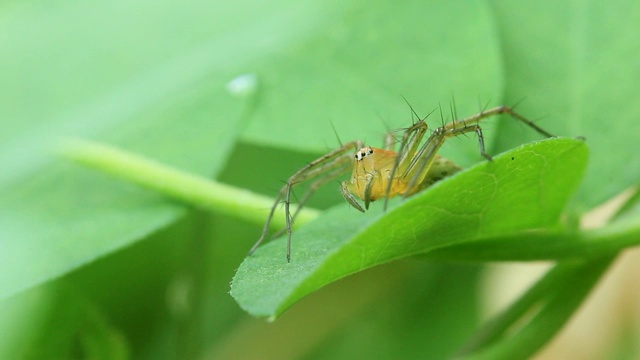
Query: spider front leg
point(323, 169)
point(312, 189)
point(408, 146)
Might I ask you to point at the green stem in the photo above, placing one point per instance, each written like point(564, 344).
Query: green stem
point(497, 327)
point(187, 188)
point(566, 286)
point(555, 245)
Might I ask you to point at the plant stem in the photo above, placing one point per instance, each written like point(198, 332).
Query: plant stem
point(187, 188)
point(552, 301)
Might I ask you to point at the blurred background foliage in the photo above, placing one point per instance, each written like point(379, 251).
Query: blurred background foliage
point(246, 92)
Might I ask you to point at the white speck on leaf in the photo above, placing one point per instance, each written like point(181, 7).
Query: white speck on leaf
point(243, 85)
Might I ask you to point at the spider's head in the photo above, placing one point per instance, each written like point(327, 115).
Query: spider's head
point(360, 154)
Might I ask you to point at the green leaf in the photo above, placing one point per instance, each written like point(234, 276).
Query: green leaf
point(66, 216)
point(356, 69)
point(526, 188)
point(170, 104)
point(177, 95)
point(577, 71)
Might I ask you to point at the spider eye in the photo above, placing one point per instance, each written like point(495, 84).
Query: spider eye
point(362, 153)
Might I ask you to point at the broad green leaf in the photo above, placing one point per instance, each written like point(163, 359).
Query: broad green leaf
point(165, 82)
point(578, 72)
point(151, 95)
point(355, 71)
point(526, 188)
point(66, 216)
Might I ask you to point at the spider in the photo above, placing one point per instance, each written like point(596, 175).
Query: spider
point(382, 172)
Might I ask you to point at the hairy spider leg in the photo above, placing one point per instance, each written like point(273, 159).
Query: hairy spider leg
point(409, 145)
point(329, 166)
point(344, 168)
point(424, 159)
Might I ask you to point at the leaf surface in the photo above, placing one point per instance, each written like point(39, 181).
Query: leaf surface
point(526, 188)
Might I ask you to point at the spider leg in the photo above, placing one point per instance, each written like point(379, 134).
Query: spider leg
point(331, 164)
point(341, 169)
point(474, 119)
point(422, 161)
point(344, 190)
point(265, 229)
point(409, 144)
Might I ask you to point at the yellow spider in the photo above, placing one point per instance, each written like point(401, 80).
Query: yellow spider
point(384, 173)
